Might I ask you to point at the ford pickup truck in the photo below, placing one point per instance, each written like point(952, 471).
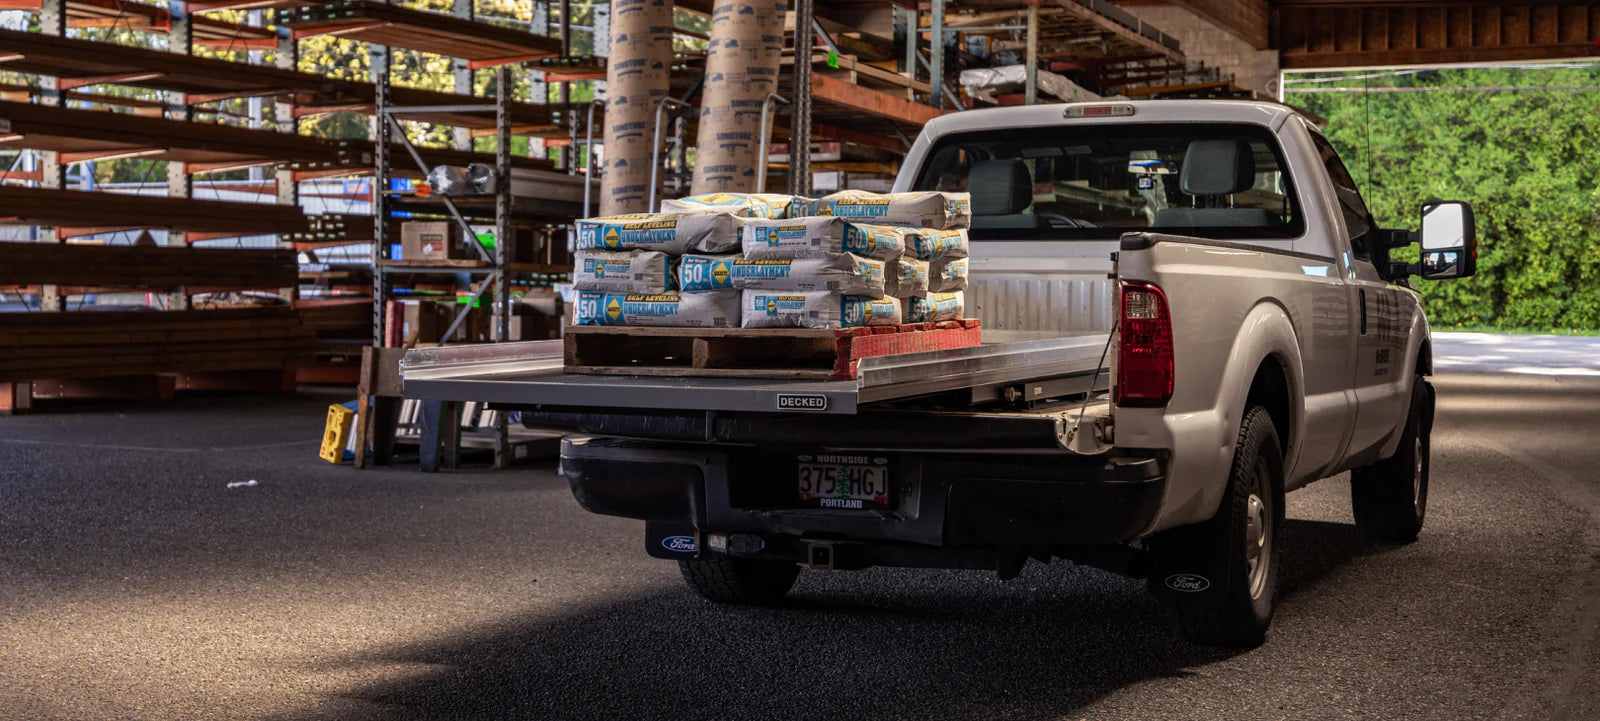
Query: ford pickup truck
point(1188, 312)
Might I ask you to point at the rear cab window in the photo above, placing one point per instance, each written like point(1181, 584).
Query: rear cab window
point(1222, 181)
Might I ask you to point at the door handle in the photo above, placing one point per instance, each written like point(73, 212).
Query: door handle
point(1363, 294)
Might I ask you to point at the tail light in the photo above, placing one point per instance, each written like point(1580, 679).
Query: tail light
point(1144, 350)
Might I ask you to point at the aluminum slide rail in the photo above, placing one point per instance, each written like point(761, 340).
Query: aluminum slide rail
point(530, 373)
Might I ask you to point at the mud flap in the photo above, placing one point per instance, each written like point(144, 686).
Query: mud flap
point(669, 540)
point(1187, 569)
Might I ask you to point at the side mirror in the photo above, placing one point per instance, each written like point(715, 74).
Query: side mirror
point(1449, 241)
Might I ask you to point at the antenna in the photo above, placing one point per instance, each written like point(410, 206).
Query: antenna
point(1366, 84)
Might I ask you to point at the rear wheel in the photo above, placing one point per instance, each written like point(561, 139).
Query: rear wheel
point(725, 579)
point(1390, 498)
point(1217, 580)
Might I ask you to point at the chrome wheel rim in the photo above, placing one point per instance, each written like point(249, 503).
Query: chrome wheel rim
point(1257, 534)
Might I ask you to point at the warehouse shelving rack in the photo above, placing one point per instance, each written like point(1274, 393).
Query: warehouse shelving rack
point(460, 36)
point(62, 136)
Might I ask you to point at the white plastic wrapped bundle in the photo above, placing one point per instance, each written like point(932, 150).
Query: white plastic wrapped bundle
point(473, 179)
point(947, 274)
point(906, 276)
point(931, 244)
point(744, 205)
point(690, 310)
point(671, 233)
point(622, 271)
point(935, 307)
point(841, 274)
point(820, 237)
point(815, 309)
point(923, 209)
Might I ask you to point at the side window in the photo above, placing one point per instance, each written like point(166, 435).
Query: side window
point(1356, 216)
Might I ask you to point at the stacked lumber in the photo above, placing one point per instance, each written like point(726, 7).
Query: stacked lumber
point(331, 229)
point(481, 44)
point(89, 134)
point(82, 62)
point(93, 344)
point(338, 318)
point(134, 266)
point(77, 208)
point(143, 17)
point(357, 156)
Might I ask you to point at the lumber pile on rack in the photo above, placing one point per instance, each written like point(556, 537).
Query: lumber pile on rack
point(481, 44)
point(142, 266)
point(146, 17)
point(330, 229)
point(77, 208)
point(91, 344)
point(89, 134)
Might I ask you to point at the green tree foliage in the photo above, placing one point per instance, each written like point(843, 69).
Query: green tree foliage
point(1527, 160)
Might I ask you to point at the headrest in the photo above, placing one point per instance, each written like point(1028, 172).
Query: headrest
point(1000, 187)
point(1217, 167)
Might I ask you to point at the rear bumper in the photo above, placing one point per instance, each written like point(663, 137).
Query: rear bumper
point(939, 499)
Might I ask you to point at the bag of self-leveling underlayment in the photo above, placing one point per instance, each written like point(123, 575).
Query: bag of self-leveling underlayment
point(671, 233)
point(841, 274)
point(947, 274)
point(622, 271)
point(906, 276)
point(931, 244)
point(690, 310)
point(923, 209)
point(820, 237)
point(935, 307)
point(815, 309)
point(744, 205)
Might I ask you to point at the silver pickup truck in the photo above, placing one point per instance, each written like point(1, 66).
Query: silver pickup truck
point(1188, 311)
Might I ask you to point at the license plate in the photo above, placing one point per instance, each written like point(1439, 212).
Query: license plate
point(836, 481)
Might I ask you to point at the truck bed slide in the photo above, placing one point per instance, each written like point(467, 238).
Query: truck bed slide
point(530, 373)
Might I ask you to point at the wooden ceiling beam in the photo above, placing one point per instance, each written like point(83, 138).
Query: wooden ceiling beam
point(1355, 34)
point(1245, 19)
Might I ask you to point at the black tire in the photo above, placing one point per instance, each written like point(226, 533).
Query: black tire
point(739, 580)
point(1390, 497)
point(1217, 580)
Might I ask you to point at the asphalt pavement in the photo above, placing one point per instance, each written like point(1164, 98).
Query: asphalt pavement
point(134, 584)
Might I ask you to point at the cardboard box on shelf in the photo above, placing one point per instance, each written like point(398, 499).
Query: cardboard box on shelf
point(431, 240)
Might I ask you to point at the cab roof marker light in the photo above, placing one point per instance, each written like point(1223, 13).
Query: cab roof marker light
point(1110, 110)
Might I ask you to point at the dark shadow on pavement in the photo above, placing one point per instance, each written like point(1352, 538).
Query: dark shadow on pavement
point(1313, 549)
point(879, 644)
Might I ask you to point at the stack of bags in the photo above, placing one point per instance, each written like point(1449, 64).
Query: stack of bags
point(775, 261)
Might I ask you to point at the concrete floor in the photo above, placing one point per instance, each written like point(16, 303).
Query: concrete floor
point(134, 584)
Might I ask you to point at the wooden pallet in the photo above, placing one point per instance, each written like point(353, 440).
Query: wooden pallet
point(783, 353)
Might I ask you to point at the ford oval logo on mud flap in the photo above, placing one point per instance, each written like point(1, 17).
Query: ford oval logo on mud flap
point(678, 544)
point(1188, 582)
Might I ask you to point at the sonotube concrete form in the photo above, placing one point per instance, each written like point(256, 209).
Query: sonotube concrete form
point(741, 69)
point(637, 77)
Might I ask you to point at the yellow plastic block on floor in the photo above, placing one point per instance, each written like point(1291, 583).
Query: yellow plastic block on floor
point(337, 433)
